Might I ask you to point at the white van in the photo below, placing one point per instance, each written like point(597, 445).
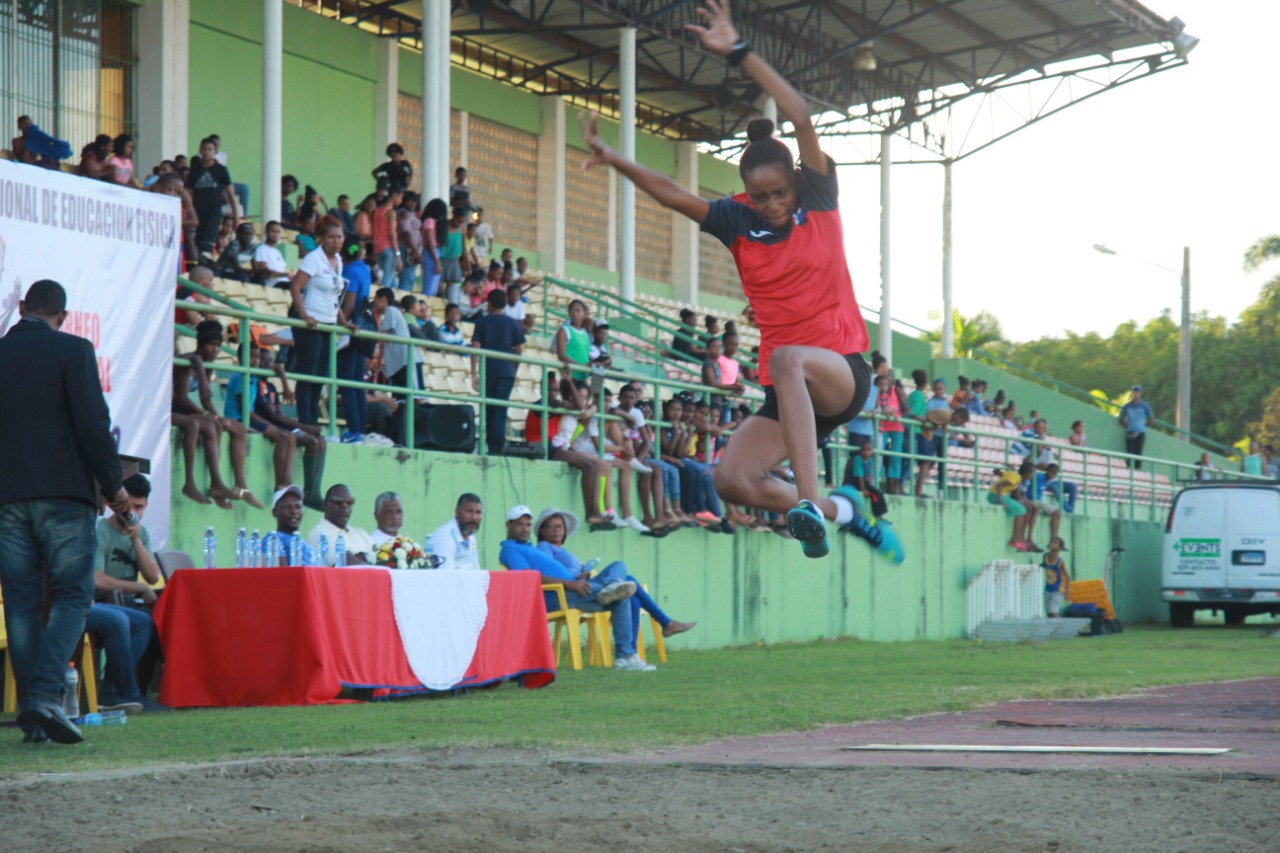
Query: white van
point(1222, 552)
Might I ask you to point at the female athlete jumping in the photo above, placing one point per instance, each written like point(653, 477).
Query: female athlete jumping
point(786, 237)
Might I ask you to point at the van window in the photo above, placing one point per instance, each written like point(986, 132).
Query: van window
point(1201, 512)
point(1255, 512)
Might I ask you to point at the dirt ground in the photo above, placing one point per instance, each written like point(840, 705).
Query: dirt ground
point(786, 792)
point(487, 800)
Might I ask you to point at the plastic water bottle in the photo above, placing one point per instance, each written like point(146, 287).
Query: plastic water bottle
point(271, 550)
point(71, 696)
point(106, 718)
point(322, 550)
point(242, 549)
point(255, 550)
point(210, 550)
point(429, 551)
point(295, 551)
point(591, 565)
point(340, 550)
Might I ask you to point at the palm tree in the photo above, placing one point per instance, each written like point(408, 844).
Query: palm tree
point(1265, 249)
point(981, 331)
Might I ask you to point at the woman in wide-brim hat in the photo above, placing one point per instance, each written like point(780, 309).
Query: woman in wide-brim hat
point(554, 526)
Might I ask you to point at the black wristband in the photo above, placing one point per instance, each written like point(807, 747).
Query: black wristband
point(738, 52)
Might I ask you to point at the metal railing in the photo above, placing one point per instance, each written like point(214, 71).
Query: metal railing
point(1112, 487)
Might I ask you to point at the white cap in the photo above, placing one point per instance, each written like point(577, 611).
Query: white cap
point(296, 490)
point(519, 511)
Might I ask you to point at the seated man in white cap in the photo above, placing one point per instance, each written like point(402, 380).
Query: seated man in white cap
point(608, 590)
point(286, 509)
point(554, 526)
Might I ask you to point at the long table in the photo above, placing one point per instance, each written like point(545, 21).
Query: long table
point(298, 635)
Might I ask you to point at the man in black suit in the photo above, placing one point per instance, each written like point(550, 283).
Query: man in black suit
point(56, 433)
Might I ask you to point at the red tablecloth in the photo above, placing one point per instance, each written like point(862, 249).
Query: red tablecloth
point(296, 636)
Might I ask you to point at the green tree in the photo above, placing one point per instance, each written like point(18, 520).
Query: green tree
point(980, 332)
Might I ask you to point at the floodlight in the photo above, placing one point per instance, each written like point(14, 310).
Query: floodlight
point(1183, 43)
point(864, 58)
point(1103, 250)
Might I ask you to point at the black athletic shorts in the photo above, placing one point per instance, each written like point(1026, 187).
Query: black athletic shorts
point(828, 424)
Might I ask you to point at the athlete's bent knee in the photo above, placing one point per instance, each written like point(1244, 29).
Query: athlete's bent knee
point(784, 361)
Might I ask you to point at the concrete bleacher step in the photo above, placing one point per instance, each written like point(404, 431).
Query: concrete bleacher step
point(1030, 630)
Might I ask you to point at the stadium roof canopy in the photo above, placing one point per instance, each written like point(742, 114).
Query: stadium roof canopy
point(952, 76)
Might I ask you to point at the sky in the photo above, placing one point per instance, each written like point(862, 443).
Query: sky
point(1180, 158)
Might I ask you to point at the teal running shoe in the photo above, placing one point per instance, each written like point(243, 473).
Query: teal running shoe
point(807, 524)
point(854, 497)
point(880, 536)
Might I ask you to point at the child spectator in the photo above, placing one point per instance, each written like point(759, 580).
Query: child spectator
point(918, 400)
point(889, 407)
point(650, 482)
point(599, 350)
point(309, 437)
point(862, 476)
point(210, 185)
point(397, 171)
point(1006, 491)
point(698, 496)
point(1057, 581)
point(453, 262)
point(1064, 492)
point(435, 233)
point(596, 472)
point(121, 161)
point(713, 377)
point(572, 343)
point(963, 394)
point(236, 260)
point(1077, 436)
point(1038, 505)
point(484, 238)
point(409, 238)
point(449, 332)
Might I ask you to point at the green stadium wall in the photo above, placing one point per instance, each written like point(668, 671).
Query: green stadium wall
point(742, 589)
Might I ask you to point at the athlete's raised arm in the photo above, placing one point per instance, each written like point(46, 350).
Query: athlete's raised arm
point(720, 37)
point(666, 191)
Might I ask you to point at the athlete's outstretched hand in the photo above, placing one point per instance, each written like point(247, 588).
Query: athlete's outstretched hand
point(719, 35)
point(591, 135)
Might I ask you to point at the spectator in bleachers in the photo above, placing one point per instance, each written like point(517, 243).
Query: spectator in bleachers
point(712, 326)
point(518, 311)
point(353, 358)
point(123, 563)
point(386, 246)
point(284, 441)
point(496, 332)
point(269, 267)
point(388, 513)
point(397, 171)
point(305, 222)
point(862, 476)
point(963, 393)
point(860, 432)
point(631, 433)
point(435, 233)
point(680, 446)
point(202, 276)
point(880, 365)
point(607, 591)
point(957, 436)
point(449, 332)
point(317, 291)
point(202, 420)
point(928, 443)
point(453, 263)
point(1270, 465)
point(713, 368)
point(572, 343)
point(1206, 470)
point(343, 212)
point(1134, 417)
point(522, 267)
point(1038, 506)
point(1056, 579)
point(889, 408)
point(311, 203)
point(918, 400)
point(554, 526)
point(1251, 462)
point(599, 350)
point(469, 261)
point(1077, 436)
point(286, 509)
point(460, 192)
point(417, 313)
point(620, 454)
point(409, 238)
point(455, 541)
point(1006, 491)
point(308, 436)
point(236, 260)
point(484, 238)
point(977, 404)
point(1062, 491)
point(467, 296)
point(171, 185)
point(684, 343)
point(670, 512)
point(596, 472)
point(93, 159)
point(210, 185)
point(997, 404)
point(288, 213)
point(1009, 417)
point(121, 161)
point(364, 219)
point(338, 504)
point(730, 367)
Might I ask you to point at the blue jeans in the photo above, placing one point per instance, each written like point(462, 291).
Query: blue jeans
point(670, 479)
point(624, 634)
point(61, 533)
point(1065, 492)
point(430, 276)
point(643, 601)
point(355, 402)
point(386, 260)
point(892, 464)
point(407, 276)
point(495, 417)
point(125, 633)
point(702, 494)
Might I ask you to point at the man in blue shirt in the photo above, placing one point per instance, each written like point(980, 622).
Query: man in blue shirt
point(1134, 416)
point(286, 508)
point(609, 590)
point(496, 332)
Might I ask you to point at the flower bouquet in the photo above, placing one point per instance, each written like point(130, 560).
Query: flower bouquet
point(402, 553)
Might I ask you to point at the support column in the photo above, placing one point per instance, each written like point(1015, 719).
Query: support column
point(612, 230)
point(948, 308)
point(1184, 348)
point(434, 161)
point(627, 145)
point(551, 186)
point(886, 164)
point(464, 142)
point(684, 231)
point(272, 106)
point(386, 109)
point(164, 28)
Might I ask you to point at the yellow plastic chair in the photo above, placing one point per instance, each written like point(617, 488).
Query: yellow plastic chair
point(88, 678)
point(659, 642)
point(568, 622)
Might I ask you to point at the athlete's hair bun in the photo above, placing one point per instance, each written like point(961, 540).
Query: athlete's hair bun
point(759, 128)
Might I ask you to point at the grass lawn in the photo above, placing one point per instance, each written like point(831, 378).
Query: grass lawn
point(697, 697)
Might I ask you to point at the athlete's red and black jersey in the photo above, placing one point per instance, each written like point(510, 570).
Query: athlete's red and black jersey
point(797, 279)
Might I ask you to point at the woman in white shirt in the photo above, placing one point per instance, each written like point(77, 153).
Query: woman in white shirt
point(317, 298)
